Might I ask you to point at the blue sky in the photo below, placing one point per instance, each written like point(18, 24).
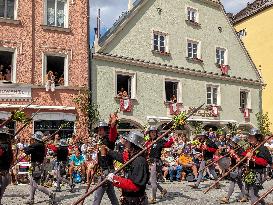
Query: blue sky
point(112, 9)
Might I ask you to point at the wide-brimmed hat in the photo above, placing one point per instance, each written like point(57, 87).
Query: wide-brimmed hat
point(38, 136)
point(63, 143)
point(137, 138)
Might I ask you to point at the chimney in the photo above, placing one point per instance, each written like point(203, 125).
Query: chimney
point(130, 5)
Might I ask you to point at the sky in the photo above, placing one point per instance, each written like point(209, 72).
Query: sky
point(112, 9)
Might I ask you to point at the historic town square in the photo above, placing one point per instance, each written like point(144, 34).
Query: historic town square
point(136, 102)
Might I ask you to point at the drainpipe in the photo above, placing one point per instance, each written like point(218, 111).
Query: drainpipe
point(33, 42)
point(89, 49)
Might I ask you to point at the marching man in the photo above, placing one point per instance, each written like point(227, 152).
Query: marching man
point(137, 173)
point(6, 159)
point(155, 160)
point(37, 150)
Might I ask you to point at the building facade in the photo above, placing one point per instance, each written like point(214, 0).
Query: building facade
point(254, 26)
point(44, 58)
point(166, 56)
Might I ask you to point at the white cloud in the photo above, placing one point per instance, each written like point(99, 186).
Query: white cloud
point(235, 6)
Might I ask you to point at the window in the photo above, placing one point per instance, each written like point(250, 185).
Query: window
point(124, 86)
point(192, 14)
point(160, 42)
point(192, 49)
point(6, 66)
point(242, 33)
point(51, 126)
point(244, 99)
point(56, 13)
point(11, 126)
point(220, 56)
point(213, 95)
point(56, 70)
point(171, 91)
point(7, 9)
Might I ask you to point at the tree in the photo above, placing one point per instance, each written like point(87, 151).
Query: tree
point(89, 109)
point(263, 123)
point(198, 127)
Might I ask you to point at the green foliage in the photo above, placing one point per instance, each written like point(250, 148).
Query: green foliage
point(179, 120)
point(233, 128)
point(89, 109)
point(263, 123)
point(20, 116)
point(198, 127)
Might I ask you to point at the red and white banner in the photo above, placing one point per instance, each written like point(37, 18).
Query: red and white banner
point(225, 69)
point(175, 108)
point(126, 105)
point(215, 110)
point(246, 113)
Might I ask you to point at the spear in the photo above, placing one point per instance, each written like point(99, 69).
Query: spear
point(241, 161)
point(19, 110)
point(45, 140)
point(263, 196)
point(137, 155)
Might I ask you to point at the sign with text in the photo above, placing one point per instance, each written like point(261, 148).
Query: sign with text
point(15, 93)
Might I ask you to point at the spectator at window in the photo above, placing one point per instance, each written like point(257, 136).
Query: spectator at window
point(61, 80)
point(125, 95)
point(120, 93)
point(50, 81)
point(173, 99)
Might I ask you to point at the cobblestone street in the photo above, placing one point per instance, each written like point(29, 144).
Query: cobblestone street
point(178, 193)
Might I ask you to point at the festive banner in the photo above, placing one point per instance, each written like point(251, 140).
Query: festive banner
point(215, 110)
point(126, 105)
point(246, 113)
point(225, 69)
point(175, 108)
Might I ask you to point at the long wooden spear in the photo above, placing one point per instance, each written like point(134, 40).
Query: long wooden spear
point(263, 196)
point(241, 161)
point(132, 159)
point(19, 110)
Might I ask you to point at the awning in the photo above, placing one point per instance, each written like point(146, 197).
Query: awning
point(37, 107)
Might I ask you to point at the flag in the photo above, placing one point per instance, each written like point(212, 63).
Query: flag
point(246, 113)
point(174, 108)
point(225, 69)
point(126, 105)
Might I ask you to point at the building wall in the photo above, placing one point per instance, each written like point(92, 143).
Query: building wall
point(150, 93)
point(259, 44)
point(135, 39)
point(29, 68)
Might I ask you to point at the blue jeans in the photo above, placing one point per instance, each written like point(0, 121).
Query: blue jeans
point(178, 170)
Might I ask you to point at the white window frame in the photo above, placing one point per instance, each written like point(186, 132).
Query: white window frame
point(179, 89)
point(133, 82)
point(225, 55)
point(193, 41)
point(13, 63)
point(192, 9)
point(66, 8)
point(66, 65)
point(218, 94)
point(15, 11)
point(166, 37)
point(248, 105)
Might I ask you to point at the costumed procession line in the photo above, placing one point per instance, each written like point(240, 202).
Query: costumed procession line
point(241, 161)
point(45, 140)
point(137, 155)
point(263, 196)
point(226, 155)
point(17, 111)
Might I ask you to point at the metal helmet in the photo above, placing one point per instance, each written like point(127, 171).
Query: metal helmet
point(137, 138)
point(236, 139)
point(5, 135)
point(63, 143)
point(254, 132)
point(101, 123)
point(4, 130)
point(38, 136)
point(152, 128)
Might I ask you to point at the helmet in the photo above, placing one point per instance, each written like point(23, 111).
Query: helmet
point(101, 123)
point(152, 128)
point(137, 138)
point(4, 130)
point(38, 136)
point(5, 135)
point(236, 139)
point(254, 132)
point(63, 143)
